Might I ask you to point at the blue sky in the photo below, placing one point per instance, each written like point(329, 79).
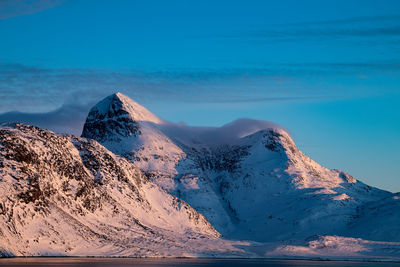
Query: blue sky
point(329, 71)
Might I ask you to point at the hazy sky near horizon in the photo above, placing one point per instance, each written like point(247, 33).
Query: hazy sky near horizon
point(329, 71)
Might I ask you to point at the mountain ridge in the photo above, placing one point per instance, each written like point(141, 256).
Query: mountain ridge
point(50, 182)
point(137, 185)
point(217, 178)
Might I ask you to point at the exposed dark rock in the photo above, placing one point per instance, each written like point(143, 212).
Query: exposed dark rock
point(114, 122)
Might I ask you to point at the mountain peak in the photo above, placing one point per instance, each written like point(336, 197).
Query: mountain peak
point(110, 105)
point(116, 115)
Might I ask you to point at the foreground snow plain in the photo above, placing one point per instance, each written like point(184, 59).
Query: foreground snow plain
point(136, 185)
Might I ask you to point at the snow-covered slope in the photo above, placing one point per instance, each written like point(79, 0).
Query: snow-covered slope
point(275, 192)
point(64, 195)
point(247, 178)
point(129, 129)
point(136, 185)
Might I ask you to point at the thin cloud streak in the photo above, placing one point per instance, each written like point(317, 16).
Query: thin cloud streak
point(288, 35)
point(241, 100)
point(358, 27)
point(363, 19)
point(27, 88)
point(16, 8)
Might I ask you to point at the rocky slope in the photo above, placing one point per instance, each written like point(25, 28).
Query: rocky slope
point(64, 195)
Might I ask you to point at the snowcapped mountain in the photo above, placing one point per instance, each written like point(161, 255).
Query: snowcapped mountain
point(247, 178)
point(137, 185)
point(66, 195)
point(129, 129)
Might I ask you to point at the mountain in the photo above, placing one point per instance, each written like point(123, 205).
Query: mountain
point(65, 195)
point(129, 129)
point(136, 185)
point(247, 178)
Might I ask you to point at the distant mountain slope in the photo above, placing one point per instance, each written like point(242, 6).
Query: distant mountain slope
point(247, 178)
point(64, 195)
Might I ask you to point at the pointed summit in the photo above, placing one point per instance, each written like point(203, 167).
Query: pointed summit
point(137, 111)
point(112, 104)
point(116, 116)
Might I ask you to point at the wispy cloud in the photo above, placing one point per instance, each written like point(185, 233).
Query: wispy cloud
point(359, 27)
point(241, 99)
point(15, 8)
point(363, 19)
point(329, 33)
point(27, 88)
point(67, 119)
